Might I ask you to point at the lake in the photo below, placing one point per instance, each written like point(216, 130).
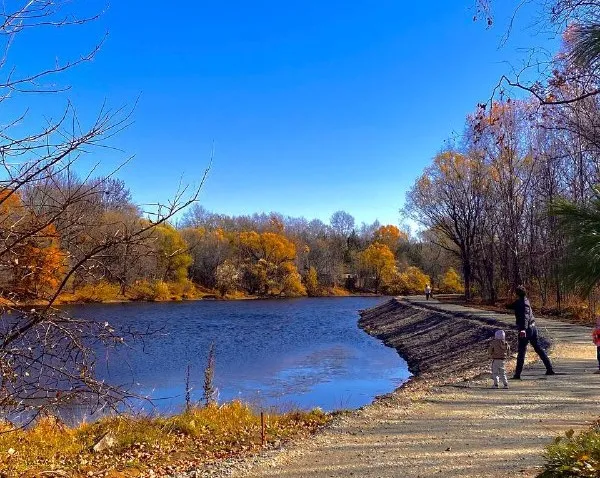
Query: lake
point(288, 353)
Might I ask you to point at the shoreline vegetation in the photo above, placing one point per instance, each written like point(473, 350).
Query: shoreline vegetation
point(150, 445)
point(107, 294)
point(133, 446)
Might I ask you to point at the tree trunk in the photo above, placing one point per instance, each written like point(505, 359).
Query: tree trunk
point(468, 278)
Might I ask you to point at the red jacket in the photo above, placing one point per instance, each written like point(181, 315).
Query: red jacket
point(596, 336)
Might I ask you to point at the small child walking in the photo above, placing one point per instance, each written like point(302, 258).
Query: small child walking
point(596, 338)
point(499, 351)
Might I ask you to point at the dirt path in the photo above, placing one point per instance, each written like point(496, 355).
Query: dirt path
point(461, 429)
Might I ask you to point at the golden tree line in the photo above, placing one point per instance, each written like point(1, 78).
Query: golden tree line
point(273, 255)
point(259, 255)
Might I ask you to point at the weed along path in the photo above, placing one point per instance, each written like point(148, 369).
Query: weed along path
point(447, 421)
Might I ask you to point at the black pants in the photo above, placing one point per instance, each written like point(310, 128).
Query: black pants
point(598, 355)
point(427, 294)
point(531, 337)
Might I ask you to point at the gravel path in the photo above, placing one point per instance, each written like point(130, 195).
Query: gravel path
point(442, 425)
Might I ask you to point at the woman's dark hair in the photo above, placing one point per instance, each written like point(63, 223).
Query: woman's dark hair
point(520, 291)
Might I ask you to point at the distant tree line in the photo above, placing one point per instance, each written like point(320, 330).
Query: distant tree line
point(269, 254)
point(259, 255)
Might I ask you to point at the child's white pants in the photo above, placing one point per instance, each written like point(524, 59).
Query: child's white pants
point(498, 370)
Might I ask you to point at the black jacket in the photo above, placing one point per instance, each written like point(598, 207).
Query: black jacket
point(524, 314)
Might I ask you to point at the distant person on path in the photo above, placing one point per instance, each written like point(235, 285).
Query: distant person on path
point(596, 337)
point(528, 333)
point(499, 351)
point(427, 292)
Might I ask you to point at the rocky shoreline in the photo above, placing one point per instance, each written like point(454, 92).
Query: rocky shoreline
point(439, 345)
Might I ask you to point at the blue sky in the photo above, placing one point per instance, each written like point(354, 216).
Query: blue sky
point(312, 106)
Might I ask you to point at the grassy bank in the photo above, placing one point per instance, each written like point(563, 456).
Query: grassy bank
point(107, 293)
point(142, 446)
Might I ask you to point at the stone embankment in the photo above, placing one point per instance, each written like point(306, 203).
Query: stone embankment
point(447, 421)
point(438, 344)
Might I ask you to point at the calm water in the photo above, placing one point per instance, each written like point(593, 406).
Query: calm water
point(286, 353)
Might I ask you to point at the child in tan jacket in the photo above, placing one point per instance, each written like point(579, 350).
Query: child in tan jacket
point(499, 351)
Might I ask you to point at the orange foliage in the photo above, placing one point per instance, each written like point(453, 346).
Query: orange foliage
point(390, 235)
point(10, 202)
point(39, 263)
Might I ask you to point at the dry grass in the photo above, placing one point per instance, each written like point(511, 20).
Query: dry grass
point(162, 444)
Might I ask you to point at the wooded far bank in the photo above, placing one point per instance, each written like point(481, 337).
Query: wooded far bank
point(206, 254)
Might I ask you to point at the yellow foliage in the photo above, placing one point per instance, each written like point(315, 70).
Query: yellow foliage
point(173, 256)
point(184, 289)
point(451, 282)
point(269, 246)
point(102, 291)
point(411, 281)
point(161, 291)
point(141, 290)
point(269, 264)
point(378, 260)
point(292, 285)
point(454, 166)
point(414, 279)
point(334, 291)
point(311, 281)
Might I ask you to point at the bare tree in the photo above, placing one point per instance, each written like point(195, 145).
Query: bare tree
point(449, 199)
point(46, 356)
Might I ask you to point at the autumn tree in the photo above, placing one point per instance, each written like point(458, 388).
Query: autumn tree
point(173, 258)
point(391, 236)
point(450, 198)
point(380, 264)
point(227, 277)
point(504, 139)
point(208, 249)
point(451, 282)
point(269, 264)
point(311, 282)
point(412, 280)
point(36, 261)
point(39, 264)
